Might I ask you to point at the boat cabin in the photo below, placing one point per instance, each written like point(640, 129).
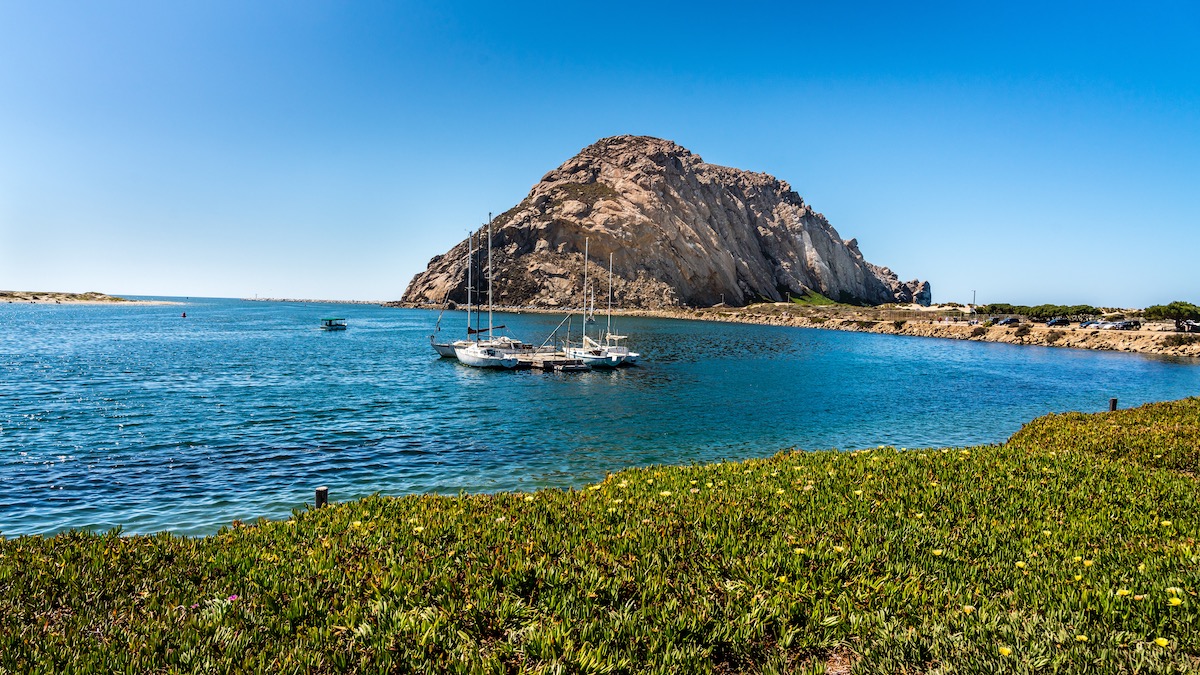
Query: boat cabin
point(333, 324)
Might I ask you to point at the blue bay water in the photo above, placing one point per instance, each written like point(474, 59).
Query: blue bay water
point(136, 417)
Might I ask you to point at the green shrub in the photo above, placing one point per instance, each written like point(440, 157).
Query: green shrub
point(1179, 340)
point(1164, 435)
point(812, 299)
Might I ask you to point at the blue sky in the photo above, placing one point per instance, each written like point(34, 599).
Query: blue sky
point(1033, 152)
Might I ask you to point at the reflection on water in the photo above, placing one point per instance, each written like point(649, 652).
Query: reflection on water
point(134, 416)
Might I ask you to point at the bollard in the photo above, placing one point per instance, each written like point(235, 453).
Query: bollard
point(1112, 405)
point(322, 496)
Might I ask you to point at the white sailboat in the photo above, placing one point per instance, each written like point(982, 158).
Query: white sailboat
point(591, 352)
point(492, 352)
point(612, 341)
point(446, 349)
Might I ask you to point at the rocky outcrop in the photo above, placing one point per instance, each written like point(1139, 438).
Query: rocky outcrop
point(678, 230)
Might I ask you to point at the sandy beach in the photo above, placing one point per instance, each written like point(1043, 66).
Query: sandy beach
point(59, 298)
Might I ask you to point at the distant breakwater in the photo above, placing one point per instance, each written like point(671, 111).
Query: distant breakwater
point(309, 301)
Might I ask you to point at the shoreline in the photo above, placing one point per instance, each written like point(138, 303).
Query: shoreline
point(908, 322)
point(304, 301)
point(60, 298)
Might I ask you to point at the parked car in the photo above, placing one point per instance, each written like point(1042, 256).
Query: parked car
point(1058, 322)
point(1190, 326)
point(1086, 324)
point(1127, 325)
point(1010, 321)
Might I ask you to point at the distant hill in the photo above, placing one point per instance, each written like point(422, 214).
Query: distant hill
point(680, 231)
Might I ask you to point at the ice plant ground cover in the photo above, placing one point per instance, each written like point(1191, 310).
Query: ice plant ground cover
point(1071, 549)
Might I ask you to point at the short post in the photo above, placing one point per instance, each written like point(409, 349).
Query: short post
point(1112, 405)
point(322, 496)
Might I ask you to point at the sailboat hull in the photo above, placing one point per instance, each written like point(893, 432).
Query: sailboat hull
point(478, 356)
point(594, 358)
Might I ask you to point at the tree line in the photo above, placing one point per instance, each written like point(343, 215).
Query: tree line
point(1178, 311)
point(1043, 312)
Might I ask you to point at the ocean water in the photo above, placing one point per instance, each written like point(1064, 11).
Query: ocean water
point(137, 417)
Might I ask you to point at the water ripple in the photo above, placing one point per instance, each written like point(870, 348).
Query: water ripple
point(138, 418)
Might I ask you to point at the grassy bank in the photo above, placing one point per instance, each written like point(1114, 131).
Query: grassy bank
point(1070, 549)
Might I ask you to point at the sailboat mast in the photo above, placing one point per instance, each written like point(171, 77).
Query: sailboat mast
point(489, 275)
point(585, 285)
point(608, 330)
point(470, 256)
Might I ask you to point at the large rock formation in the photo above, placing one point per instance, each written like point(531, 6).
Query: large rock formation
point(679, 230)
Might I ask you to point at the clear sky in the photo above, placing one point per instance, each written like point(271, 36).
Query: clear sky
point(1033, 152)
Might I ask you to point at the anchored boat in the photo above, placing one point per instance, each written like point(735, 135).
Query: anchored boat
point(593, 353)
point(490, 353)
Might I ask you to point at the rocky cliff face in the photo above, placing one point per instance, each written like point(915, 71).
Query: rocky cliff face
point(679, 230)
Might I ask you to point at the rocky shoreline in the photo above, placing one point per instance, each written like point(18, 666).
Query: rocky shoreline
point(1151, 339)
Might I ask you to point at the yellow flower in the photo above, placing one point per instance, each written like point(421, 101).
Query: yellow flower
point(1087, 563)
point(708, 485)
point(1081, 638)
point(1165, 523)
point(919, 515)
point(858, 492)
point(617, 501)
point(1077, 558)
point(357, 523)
point(1175, 602)
point(649, 481)
point(1161, 642)
point(800, 551)
point(938, 551)
point(692, 482)
point(779, 492)
point(612, 509)
point(1045, 533)
point(1078, 577)
point(528, 498)
point(1122, 592)
point(665, 493)
point(1005, 651)
point(967, 609)
point(782, 580)
point(418, 530)
point(838, 549)
point(1021, 564)
point(623, 483)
